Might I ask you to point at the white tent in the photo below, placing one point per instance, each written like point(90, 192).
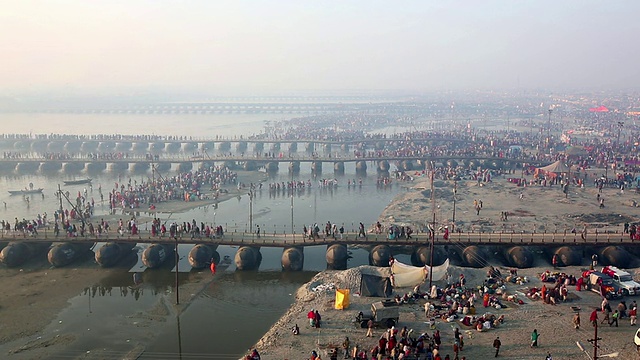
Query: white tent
point(408, 276)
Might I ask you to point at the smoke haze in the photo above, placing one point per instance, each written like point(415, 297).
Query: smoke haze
point(271, 46)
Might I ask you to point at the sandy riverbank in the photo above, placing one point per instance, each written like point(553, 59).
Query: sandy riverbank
point(554, 323)
point(541, 209)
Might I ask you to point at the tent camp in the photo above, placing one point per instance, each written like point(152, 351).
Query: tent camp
point(381, 281)
point(554, 169)
point(408, 276)
point(378, 286)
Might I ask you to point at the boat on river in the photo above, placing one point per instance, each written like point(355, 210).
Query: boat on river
point(26, 191)
point(77, 182)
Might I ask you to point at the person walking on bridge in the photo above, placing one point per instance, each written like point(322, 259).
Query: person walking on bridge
point(361, 232)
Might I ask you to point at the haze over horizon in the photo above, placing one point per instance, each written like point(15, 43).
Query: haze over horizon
point(223, 46)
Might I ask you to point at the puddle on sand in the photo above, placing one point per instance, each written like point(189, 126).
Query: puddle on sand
point(109, 317)
point(229, 316)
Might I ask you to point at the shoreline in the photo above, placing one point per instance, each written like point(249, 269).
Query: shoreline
point(409, 207)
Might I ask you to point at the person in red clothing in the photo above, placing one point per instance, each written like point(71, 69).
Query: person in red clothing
point(392, 343)
point(594, 317)
point(485, 299)
point(382, 344)
point(311, 315)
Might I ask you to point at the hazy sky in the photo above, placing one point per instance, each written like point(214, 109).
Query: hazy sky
point(277, 45)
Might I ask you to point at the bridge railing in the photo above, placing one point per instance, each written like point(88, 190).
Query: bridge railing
point(280, 236)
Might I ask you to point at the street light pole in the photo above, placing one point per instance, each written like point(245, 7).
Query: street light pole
point(595, 341)
point(251, 210)
point(177, 271)
point(292, 190)
point(433, 233)
point(620, 125)
point(549, 128)
point(455, 192)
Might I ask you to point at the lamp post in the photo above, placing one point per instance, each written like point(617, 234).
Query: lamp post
point(251, 210)
point(620, 125)
point(455, 192)
point(292, 191)
point(594, 341)
point(177, 271)
point(433, 232)
point(549, 128)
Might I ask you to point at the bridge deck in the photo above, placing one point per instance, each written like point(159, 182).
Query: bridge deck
point(238, 158)
point(288, 240)
point(251, 141)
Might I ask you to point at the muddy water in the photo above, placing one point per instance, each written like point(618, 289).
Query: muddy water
point(227, 314)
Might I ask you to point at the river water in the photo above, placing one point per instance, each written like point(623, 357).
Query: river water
point(237, 308)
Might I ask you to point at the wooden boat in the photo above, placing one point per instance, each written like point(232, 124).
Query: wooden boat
point(77, 182)
point(26, 191)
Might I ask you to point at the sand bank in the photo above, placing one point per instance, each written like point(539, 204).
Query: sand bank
point(554, 323)
point(540, 209)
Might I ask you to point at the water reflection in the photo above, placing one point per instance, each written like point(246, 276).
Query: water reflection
point(123, 291)
point(126, 284)
point(247, 303)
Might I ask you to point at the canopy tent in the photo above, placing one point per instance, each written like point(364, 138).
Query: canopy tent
point(408, 276)
point(554, 169)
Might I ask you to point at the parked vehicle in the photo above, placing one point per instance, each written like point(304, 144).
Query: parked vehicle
point(604, 285)
point(623, 279)
point(382, 313)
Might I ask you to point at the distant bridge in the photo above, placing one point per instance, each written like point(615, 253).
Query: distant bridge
point(235, 107)
point(127, 143)
point(252, 162)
